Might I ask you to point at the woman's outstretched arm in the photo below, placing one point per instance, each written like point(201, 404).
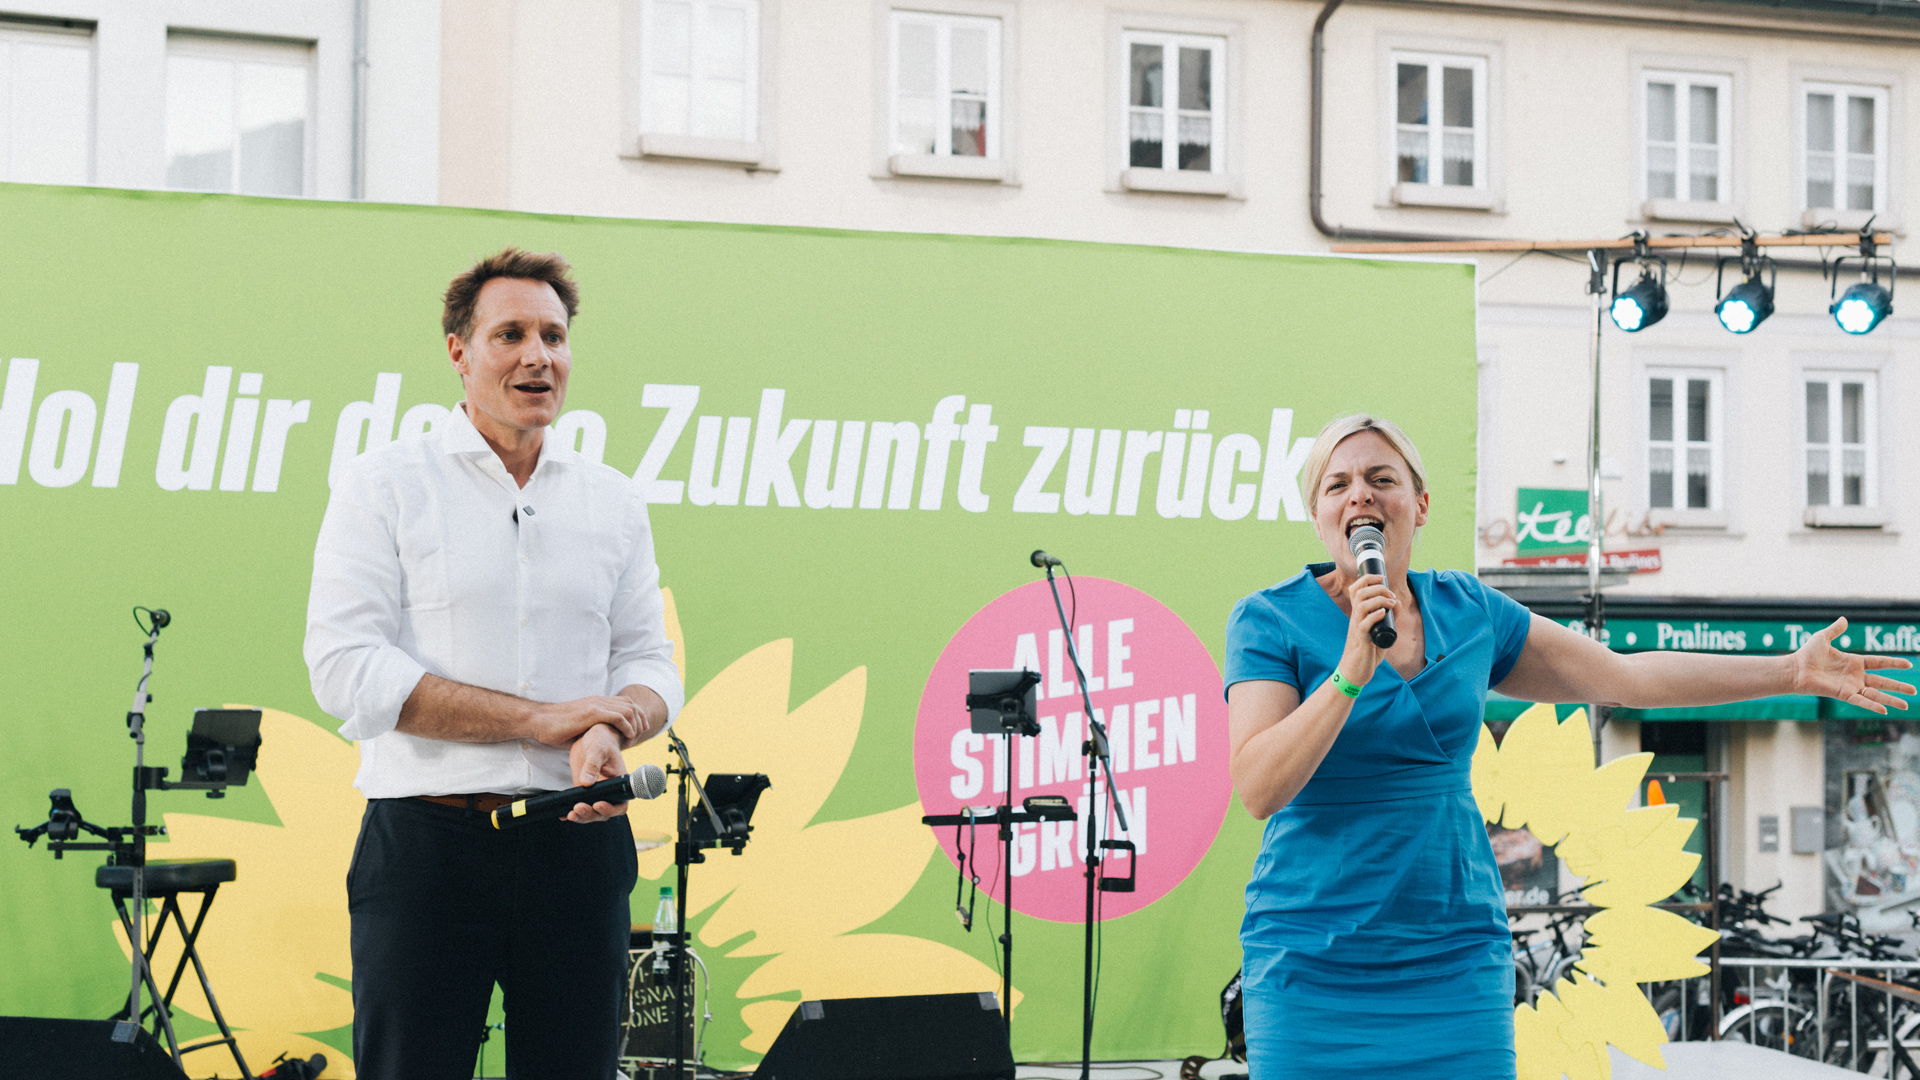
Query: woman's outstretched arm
point(1558, 664)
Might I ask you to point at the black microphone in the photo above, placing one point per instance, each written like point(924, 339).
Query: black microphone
point(1369, 549)
point(1042, 559)
point(645, 782)
point(160, 618)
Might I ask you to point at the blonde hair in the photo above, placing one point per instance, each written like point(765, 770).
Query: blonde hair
point(1337, 431)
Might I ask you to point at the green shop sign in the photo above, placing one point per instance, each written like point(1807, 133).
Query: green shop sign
point(1749, 636)
point(1551, 520)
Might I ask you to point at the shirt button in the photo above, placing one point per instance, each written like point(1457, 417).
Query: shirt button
point(525, 685)
point(524, 620)
point(523, 560)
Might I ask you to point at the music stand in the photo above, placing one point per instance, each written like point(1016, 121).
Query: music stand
point(1003, 703)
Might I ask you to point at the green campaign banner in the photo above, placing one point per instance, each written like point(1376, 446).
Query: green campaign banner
point(850, 443)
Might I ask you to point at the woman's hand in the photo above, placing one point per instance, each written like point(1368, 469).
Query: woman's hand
point(1819, 668)
point(1369, 599)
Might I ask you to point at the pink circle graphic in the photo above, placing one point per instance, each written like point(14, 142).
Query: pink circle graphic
point(1154, 686)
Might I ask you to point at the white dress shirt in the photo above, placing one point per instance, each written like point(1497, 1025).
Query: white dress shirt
point(431, 559)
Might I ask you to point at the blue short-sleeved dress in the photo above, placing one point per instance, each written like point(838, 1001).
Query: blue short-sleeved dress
point(1376, 931)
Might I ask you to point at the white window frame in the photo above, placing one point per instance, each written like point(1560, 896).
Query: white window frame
point(1433, 191)
point(1169, 108)
point(33, 33)
point(1882, 137)
point(1681, 206)
point(757, 154)
point(1835, 378)
point(944, 162)
point(1000, 168)
point(256, 50)
point(1224, 178)
point(1715, 443)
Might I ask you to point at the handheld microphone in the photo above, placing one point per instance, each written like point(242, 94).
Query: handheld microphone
point(645, 782)
point(1042, 559)
point(1369, 550)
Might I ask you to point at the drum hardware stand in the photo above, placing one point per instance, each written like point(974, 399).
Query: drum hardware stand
point(128, 843)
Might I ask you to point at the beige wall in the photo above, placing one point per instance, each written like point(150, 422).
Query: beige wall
point(536, 117)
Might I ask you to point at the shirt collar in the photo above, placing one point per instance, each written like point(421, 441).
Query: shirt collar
point(461, 437)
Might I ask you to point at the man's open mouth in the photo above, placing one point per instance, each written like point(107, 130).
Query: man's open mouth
point(532, 387)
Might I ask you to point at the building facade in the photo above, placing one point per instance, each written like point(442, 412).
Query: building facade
point(1764, 474)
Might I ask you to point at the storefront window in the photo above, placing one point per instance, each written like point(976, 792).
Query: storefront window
point(1873, 817)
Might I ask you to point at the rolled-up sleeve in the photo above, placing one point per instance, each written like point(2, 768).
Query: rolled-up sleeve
point(639, 651)
point(359, 674)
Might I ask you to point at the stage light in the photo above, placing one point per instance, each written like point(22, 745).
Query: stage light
point(1862, 307)
point(1749, 302)
point(1746, 306)
point(1866, 303)
point(1640, 305)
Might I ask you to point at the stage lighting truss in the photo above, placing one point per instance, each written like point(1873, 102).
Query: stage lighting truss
point(1748, 303)
point(1866, 303)
point(1644, 302)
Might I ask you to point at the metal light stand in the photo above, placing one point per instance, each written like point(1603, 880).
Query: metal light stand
point(1095, 748)
point(1596, 603)
point(685, 854)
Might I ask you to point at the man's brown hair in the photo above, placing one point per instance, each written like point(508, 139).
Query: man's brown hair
point(464, 291)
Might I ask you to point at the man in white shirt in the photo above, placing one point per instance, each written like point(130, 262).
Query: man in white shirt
point(486, 619)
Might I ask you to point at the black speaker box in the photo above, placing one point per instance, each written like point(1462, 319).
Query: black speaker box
point(922, 1037)
point(34, 1048)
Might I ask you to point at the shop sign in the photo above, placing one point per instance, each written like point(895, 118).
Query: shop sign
point(1551, 521)
point(1643, 561)
point(1749, 636)
point(1553, 528)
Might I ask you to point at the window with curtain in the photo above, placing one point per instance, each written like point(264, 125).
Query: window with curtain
point(946, 84)
point(1688, 132)
point(1846, 164)
point(1839, 431)
point(1440, 124)
point(46, 105)
point(1175, 108)
point(700, 69)
point(1683, 440)
point(238, 115)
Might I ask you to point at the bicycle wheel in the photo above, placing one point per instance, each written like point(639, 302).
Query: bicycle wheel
point(1773, 1025)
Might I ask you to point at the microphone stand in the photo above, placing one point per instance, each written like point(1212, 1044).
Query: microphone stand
point(1096, 750)
point(685, 853)
point(135, 852)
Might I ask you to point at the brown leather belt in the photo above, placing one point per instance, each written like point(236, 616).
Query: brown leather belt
point(486, 801)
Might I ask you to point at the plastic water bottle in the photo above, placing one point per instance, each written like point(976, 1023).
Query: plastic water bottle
point(666, 923)
point(666, 917)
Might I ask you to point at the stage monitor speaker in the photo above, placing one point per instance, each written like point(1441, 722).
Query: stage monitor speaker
point(921, 1037)
point(35, 1048)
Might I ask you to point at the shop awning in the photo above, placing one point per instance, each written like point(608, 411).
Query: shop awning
point(1780, 707)
point(1784, 707)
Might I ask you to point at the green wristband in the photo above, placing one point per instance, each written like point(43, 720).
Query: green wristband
point(1342, 684)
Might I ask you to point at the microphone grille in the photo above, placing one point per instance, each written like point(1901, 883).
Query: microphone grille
point(1366, 536)
point(650, 781)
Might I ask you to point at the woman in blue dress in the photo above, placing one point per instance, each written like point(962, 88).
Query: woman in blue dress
point(1376, 933)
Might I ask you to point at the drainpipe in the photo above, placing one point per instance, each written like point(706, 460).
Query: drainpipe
point(357, 183)
point(1337, 232)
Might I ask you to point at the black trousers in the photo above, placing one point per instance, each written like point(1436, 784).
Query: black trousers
point(444, 906)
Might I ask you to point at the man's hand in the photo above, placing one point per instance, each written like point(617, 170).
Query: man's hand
point(594, 757)
point(561, 723)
